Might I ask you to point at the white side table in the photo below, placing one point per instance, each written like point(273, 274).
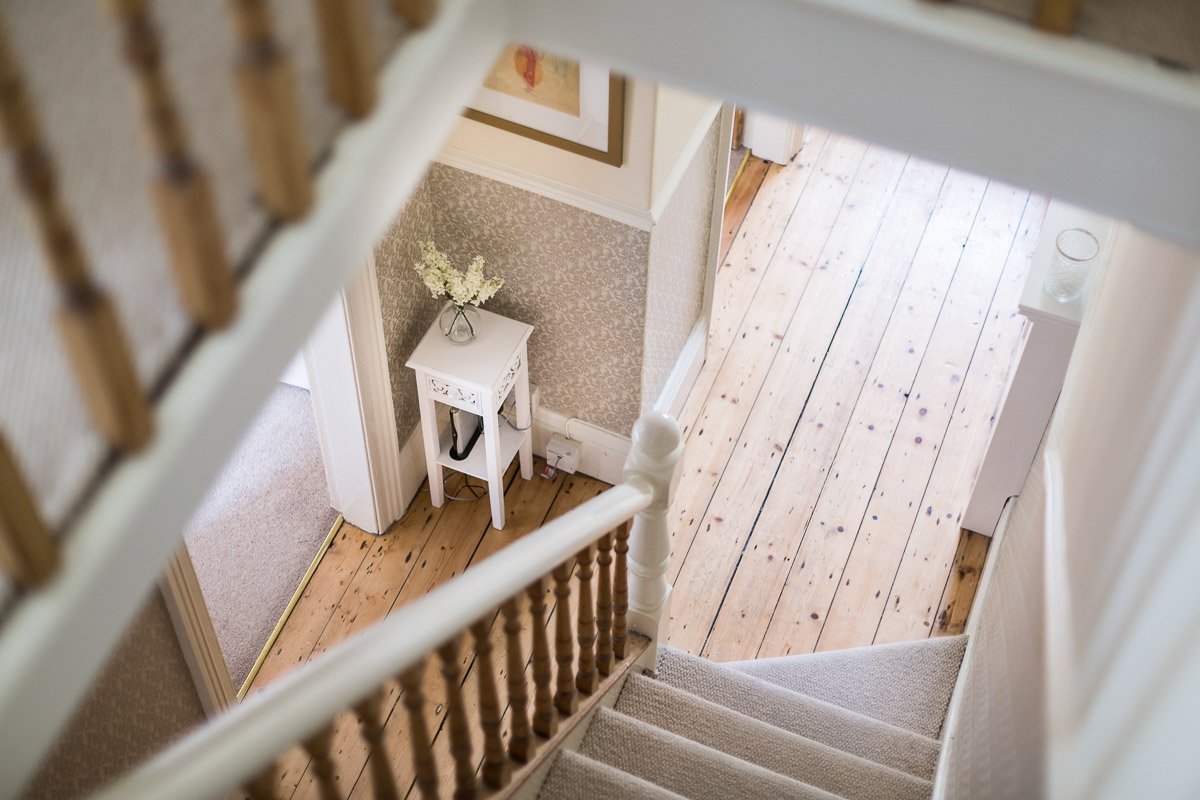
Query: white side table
point(476, 377)
point(1034, 384)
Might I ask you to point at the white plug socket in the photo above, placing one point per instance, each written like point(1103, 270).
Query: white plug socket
point(563, 453)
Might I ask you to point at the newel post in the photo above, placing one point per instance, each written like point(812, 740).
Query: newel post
point(657, 445)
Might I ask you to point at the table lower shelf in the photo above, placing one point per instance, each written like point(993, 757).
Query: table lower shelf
point(475, 464)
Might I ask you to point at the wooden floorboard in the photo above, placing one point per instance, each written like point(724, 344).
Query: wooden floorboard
point(738, 203)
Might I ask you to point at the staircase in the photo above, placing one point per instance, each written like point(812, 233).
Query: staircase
point(859, 724)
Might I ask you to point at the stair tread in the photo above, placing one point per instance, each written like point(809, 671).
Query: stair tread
point(738, 735)
point(793, 711)
point(683, 766)
point(907, 684)
point(577, 777)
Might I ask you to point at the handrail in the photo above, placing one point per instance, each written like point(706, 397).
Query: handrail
point(233, 748)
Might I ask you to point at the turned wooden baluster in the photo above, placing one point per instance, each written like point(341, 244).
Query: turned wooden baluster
point(181, 192)
point(28, 552)
point(418, 731)
point(417, 13)
point(320, 749)
point(87, 319)
point(262, 786)
point(460, 734)
point(371, 728)
point(1056, 16)
point(267, 90)
point(545, 721)
point(586, 679)
point(520, 741)
point(349, 53)
point(496, 767)
point(620, 638)
point(565, 699)
point(604, 605)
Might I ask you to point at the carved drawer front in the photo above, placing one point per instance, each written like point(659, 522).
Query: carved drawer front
point(510, 377)
point(455, 395)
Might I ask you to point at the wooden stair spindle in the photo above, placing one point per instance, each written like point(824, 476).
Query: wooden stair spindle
point(263, 785)
point(520, 741)
point(460, 735)
point(417, 13)
point(565, 698)
point(267, 89)
point(418, 731)
point(99, 354)
point(621, 592)
point(320, 749)
point(28, 551)
point(371, 728)
point(496, 767)
point(181, 192)
point(586, 679)
point(545, 720)
point(349, 54)
point(604, 605)
point(1056, 16)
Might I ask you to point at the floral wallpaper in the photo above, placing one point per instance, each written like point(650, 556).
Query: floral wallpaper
point(678, 264)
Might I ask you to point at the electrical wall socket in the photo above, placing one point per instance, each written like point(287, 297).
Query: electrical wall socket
point(565, 450)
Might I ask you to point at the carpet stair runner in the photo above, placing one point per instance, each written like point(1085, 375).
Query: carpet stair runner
point(859, 724)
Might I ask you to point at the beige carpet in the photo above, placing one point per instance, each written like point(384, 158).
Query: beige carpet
point(260, 526)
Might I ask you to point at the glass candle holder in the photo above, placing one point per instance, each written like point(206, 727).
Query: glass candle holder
point(1074, 251)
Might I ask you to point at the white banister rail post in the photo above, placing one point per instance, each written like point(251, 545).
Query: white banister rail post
point(651, 466)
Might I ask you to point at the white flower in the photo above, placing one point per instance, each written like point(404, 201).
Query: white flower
point(443, 280)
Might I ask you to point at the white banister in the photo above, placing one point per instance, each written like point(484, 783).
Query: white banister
point(228, 751)
point(652, 464)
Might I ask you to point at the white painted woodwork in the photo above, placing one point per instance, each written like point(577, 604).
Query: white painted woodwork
point(717, 223)
point(222, 755)
point(296, 373)
point(683, 375)
point(197, 638)
point(476, 377)
point(653, 465)
point(772, 138)
point(1041, 368)
point(1123, 535)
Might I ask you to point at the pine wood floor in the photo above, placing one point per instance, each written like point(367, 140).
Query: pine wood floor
point(864, 327)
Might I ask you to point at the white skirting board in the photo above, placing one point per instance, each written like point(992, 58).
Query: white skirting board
point(683, 375)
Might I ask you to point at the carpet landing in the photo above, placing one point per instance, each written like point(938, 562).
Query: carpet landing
point(716, 731)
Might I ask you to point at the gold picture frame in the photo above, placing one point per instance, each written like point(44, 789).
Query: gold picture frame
point(591, 123)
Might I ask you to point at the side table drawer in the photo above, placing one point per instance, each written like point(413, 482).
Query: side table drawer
point(452, 394)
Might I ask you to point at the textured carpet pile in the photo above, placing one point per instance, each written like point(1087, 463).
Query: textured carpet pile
point(857, 724)
point(259, 527)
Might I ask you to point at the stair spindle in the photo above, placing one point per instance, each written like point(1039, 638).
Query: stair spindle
point(565, 699)
point(520, 740)
point(28, 551)
point(96, 347)
point(621, 592)
point(1056, 16)
point(371, 728)
point(496, 767)
point(417, 13)
point(262, 786)
point(418, 731)
point(604, 605)
point(320, 749)
point(460, 735)
point(545, 721)
point(271, 109)
point(180, 188)
point(586, 679)
point(349, 53)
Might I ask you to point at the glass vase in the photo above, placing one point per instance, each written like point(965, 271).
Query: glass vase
point(460, 324)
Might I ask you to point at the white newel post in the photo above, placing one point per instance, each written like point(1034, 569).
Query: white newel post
point(657, 445)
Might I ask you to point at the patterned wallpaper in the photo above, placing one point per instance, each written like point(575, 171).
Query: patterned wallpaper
point(143, 699)
point(578, 278)
point(678, 261)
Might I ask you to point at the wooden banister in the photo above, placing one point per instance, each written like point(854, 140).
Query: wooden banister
point(417, 13)
point(180, 187)
point(545, 720)
point(383, 783)
point(564, 696)
point(418, 731)
point(1056, 16)
point(349, 53)
point(586, 679)
point(28, 552)
point(465, 786)
point(520, 742)
point(97, 350)
point(496, 767)
point(604, 605)
point(266, 88)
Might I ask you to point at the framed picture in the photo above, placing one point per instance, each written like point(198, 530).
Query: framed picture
point(578, 107)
